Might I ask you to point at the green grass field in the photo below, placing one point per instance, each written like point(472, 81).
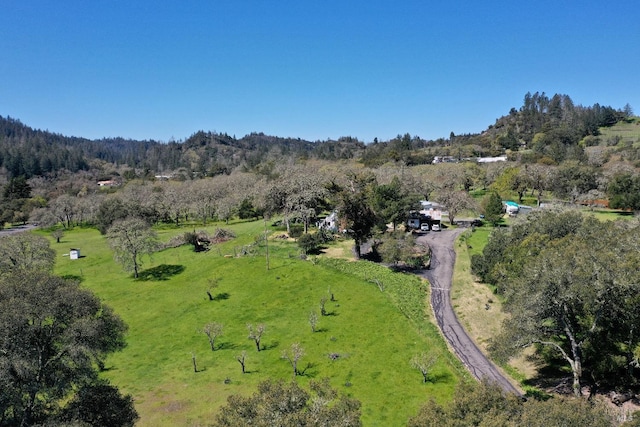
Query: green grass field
point(627, 131)
point(374, 332)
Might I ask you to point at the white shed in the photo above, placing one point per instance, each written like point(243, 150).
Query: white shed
point(74, 253)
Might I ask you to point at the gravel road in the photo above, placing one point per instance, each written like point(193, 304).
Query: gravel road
point(440, 275)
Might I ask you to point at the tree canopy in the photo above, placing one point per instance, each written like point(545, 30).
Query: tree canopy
point(130, 240)
point(25, 252)
point(571, 286)
point(281, 404)
point(486, 404)
point(53, 334)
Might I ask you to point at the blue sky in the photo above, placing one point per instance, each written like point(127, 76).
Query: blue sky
point(310, 69)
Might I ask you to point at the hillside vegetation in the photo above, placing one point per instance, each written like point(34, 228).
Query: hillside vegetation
point(358, 323)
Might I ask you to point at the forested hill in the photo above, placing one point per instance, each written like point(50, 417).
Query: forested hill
point(28, 152)
point(545, 129)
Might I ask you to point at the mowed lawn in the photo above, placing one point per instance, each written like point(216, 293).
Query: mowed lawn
point(371, 341)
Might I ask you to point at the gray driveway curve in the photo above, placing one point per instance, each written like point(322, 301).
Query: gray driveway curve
point(440, 276)
point(16, 229)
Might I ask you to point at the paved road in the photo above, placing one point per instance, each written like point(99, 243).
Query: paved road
point(16, 229)
point(440, 275)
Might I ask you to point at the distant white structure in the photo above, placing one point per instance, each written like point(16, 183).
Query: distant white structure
point(431, 209)
point(492, 159)
point(74, 253)
point(329, 223)
point(512, 208)
point(443, 159)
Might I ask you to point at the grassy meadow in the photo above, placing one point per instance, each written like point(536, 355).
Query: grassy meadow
point(371, 333)
point(627, 131)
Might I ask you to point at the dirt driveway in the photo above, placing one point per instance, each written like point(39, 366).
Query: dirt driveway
point(440, 276)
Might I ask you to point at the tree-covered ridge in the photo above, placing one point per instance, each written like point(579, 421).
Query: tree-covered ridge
point(553, 127)
point(28, 152)
point(545, 129)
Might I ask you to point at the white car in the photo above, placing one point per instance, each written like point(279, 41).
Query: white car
point(435, 227)
point(424, 227)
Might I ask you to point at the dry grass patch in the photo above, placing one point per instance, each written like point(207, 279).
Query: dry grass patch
point(340, 249)
point(479, 310)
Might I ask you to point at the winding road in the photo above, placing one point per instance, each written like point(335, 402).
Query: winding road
point(440, 276)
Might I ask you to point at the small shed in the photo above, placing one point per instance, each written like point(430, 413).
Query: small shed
point(74, 253)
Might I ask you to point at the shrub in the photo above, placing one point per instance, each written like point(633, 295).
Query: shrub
point(309, 243)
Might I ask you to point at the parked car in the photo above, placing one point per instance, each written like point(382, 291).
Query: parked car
point(435, 227)
point(424, 227)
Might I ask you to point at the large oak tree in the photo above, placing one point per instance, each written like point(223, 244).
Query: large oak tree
point(130, 240)
point(53, 334)
point(574, 293)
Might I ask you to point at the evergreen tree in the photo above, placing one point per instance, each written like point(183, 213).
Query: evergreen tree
point(493, 208)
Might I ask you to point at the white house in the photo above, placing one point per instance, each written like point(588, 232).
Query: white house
point(330, 222)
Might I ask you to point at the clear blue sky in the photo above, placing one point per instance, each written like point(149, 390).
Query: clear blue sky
point(309, 69)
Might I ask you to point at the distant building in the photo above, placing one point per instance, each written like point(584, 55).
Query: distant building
point(107, 183)
point(444, 159)
point(431, 213)
point(492, 159)
point(330, 222)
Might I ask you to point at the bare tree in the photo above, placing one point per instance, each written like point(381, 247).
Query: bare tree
point(25, 252)
point(255, 334)
point(203, 199)
point(193, 361)
point(455, 201)
point(323, 302)
point(130, 239)
point(213, 284)
point(242, 359)
point(176, 200)
point(293, 355)
point(212, 331)
point(64, 209)
point(424, 362)
point(313, 320)
point(57, 234)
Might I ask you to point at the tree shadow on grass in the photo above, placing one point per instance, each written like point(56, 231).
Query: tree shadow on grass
point(161, 272)
point(271, 345)
point(439, 377)
point(221, 296)
point(308, 371)
point(73, 277)
point(226, 346)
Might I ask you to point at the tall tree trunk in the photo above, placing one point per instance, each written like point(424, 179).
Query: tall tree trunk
point(576, 363)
